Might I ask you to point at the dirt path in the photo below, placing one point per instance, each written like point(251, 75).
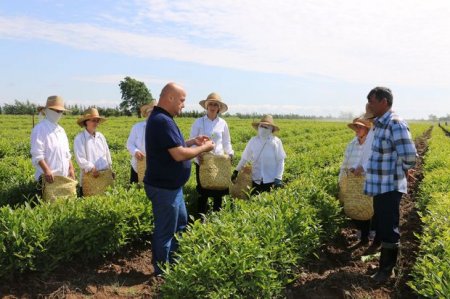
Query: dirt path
point(340, 272)
point(337, 273)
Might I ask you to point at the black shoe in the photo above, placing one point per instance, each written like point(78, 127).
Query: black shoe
point(361, 243)
point(382, 276)
point(373, 248)
point(388, 259)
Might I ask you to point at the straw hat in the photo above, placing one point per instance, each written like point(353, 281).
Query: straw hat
point(266, 120)
point(146, 109)
point(369, 114)
point(91, 113)
point(361, 122)
point(214, 97)
point(54, 102)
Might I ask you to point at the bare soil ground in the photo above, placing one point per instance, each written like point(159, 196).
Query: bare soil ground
point(336, 272)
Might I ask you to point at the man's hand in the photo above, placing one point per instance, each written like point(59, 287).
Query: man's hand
point(410, 175)
point(208, 145)
point(201, 139)
point(139, 155)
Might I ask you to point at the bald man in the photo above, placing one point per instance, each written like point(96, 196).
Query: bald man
point(168, 169)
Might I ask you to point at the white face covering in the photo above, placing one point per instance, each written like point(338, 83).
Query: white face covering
point(264, 133)
point(52, 116)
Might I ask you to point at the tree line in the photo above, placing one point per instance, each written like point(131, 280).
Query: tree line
point(135, 94)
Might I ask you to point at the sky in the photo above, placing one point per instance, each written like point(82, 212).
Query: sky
point(306, 57)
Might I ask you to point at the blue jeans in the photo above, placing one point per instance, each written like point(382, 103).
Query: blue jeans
point(387, 211)
point(170, 217)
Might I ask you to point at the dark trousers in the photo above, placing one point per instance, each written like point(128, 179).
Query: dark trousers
point(133, 176)
point(364, 227)
point(387, 211)
point(170, 219)
point(202, 204)
point(258, 188)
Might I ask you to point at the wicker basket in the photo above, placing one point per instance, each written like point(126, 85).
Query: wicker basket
point(141, 167)
point(215, 172)
point(95, 186)
point(61, 187)
point(242, 187)
point(357, 205)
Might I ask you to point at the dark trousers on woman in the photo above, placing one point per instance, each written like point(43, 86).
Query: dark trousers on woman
point(364, 227)
point(202, 204)
point(259, 188)
point(133, 176)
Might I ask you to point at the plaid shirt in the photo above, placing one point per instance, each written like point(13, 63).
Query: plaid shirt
point(393, 153)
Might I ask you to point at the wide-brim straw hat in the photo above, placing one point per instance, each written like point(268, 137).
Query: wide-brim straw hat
point(369, 114)
point(54, 102)
point(91, 113)
point(361, 122)
point(146, 109)
point(214, 97)
point(266, 120)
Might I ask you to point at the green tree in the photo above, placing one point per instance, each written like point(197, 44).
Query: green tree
point(134, 95)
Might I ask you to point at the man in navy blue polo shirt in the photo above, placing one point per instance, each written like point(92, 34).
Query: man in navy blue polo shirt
point(168, 169)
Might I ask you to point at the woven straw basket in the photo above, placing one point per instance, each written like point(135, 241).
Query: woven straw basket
point(357, 205)
point(141, 167)
point(215, 171)
point(95, 186)
point(243, 184)
point(61, 187)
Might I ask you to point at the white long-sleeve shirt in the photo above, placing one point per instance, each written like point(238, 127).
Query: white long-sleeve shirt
point(49, 142)
point(217, 130)
point(136, 142)
point(352, 156)
point(91, 151)
point(267, 158)
point(366, 150)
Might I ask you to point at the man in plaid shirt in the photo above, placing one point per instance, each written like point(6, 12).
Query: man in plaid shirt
point(393, 155)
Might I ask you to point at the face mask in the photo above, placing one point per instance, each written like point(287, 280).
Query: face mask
point(264, 132)
point(52, 116)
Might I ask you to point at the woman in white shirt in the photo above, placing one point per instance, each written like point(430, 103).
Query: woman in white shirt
point(215, 128)
point(50, 152)
point(352, 160)
point(266, 154)
point(136, 141)
point(90, 147)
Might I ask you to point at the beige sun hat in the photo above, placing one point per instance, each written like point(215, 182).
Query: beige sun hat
point(54, 102)
point(146, 109)
point(266, 120)
point(369, 114)
point(361, 122)
point(214, 97)
point(90, 113)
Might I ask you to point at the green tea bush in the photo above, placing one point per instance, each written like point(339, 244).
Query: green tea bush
point(42, 237)
point(250, 249)
point(431, 273)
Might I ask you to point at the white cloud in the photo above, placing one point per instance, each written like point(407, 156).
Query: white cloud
point(115, 78)
point(387, 42)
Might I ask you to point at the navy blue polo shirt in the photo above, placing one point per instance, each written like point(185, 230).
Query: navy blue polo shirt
point(161, 134)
